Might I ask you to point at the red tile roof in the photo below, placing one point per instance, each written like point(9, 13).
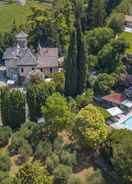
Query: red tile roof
point(116, 98)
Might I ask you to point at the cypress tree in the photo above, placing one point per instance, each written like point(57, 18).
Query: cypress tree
point(96, 13)
point(12, 108)
point(81, 59)
point(71, 67)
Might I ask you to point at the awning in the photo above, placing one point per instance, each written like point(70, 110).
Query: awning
point(127, 103)
point(114, 111)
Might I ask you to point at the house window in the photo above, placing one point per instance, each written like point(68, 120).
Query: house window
point(22, 70)
point(51, 69)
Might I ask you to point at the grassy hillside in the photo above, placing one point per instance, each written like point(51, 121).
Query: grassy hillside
point(128, 37)
point(12, 11)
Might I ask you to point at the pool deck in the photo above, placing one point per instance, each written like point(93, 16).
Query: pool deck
point(119, 124)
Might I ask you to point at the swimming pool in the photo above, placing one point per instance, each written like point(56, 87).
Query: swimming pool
point(128, 123)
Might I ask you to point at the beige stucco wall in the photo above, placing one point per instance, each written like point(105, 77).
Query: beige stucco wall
point(26, 70)
point(47, 71)
point(11, 67)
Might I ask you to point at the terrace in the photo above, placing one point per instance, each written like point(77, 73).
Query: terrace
point(120, 110)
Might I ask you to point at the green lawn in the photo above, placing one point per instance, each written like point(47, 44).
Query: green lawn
point(128, 37)
point(12, 11)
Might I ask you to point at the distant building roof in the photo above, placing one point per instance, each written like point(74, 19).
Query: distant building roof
point(128, 18)
point(114, 111)
point(127, 103)
point(115, 98)
point(10, 53)
point(22, 35)
point(27, 59)
point(48, 57)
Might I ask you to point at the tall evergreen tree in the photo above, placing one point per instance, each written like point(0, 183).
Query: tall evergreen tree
point(12, 108)
point(96, 13)
point(81, 59)
point(71, 67)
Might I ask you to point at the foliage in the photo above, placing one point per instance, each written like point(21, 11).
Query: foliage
point(73, 179)
point(5, 134)
point(118, 153)
point(51, 27)
point(33, 174)
point(58, 79)
point(43, 149)
point(68, 158)
point(19, 145)
point(128, 38)
point(71, 67)
point(5, 178)
point(90, 129)
point(104, 84)
point(111, 54)
point(96, 178)
point(75, 64)
point(12, 108)
point(116, 22)
point(56, 113)
point(52, 162)
point(61, 174)
point(5, 162)
point(85, 99)
point(36, 97)
point(97, 38)
point(104, 112)
point(96, 13)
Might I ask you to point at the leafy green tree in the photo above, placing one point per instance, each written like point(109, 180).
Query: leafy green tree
point(5, 134)
point(12, 108)
point(104, 84)
point(111, 55)
point(33, 174)
point(59, 80)
point(118, 153)
point(71, 67)
point(90, 129)
point(36, 97)
point(85, 99)
point(97, 38)
point(111, 4)
point(61, 174)
point(116, 22)
point(56, 113)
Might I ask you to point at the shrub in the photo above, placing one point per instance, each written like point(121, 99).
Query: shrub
point(43, 150)
point(17, 141)
point(61, 174)
point(25, 152)
point(27, 129)
point(74, 179)
point(5, 162)
point(52, 162)
point(58, 145)
point(5, 134)
point(68, 158)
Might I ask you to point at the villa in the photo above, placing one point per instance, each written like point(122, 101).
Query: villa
point(20, 61)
